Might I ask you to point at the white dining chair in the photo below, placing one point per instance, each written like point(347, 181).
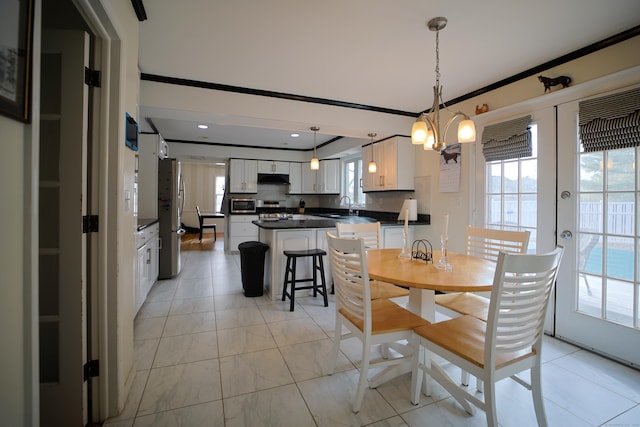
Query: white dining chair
point(371, 235)
point(509, 342)
point(483, 243)
point(373, 322)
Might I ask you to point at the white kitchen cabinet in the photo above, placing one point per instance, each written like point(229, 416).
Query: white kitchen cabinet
point(241, 229)
point(243, 176)
point(146, 274)
point(308, 180)
point(395, 163)
point(326, 180)
point(392, 237)
point(269, 166)
point(295, 178)
point(330, 176)
point(322, 243)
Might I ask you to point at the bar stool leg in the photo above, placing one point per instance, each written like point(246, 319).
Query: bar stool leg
point(315, 275)
point(324, 283)
point(286, 279)
point(292, 295)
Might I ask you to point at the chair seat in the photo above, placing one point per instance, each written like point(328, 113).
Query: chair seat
point(304, 253)
point(465, 303)
point(387, 316)
point(386, 290)
point(468, 343)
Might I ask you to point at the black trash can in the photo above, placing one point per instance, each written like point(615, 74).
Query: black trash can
point(252, 267)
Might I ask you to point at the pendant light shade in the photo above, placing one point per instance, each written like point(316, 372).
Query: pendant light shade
point(315, 163)
point(373, 168)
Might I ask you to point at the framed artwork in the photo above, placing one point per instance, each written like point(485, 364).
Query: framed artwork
point(16, 34)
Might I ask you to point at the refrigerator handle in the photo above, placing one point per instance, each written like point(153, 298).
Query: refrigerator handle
point(182, 195)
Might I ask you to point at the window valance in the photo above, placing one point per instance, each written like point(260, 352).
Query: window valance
point(610, 122)
point(507, 140)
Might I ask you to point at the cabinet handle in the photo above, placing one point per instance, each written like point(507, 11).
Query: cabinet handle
point(360, 182)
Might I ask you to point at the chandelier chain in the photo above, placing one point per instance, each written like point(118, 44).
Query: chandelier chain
point(437, 58)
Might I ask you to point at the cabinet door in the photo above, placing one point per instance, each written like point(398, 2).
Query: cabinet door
point(405, 164)
point(236, 176)
point(308, 179)
point(295, 178)
point(330, 176)
point(389, 167)
point(367, 177)
point(281, 167)
point(392, 237)
point(251, 176)
point(266, 166)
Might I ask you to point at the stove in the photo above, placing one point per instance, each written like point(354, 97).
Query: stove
point(275, 216)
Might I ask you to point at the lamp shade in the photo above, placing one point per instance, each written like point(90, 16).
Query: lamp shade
point(315, 164)
point(372, 167)
point(466, 131)
point(419, 132)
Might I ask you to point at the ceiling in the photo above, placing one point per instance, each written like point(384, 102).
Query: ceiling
point(375, 53)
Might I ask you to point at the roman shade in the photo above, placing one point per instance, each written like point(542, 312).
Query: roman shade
point(610, 122)
point(507, 140)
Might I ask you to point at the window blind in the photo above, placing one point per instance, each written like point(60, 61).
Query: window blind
point(610, 122)
point(507, 140)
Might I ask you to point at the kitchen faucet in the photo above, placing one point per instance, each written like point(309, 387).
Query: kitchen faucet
point(349, 199)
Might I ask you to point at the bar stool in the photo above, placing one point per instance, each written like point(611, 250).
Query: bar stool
point(292, 257)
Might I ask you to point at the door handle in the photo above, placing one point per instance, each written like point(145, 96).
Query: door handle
point(566, 235)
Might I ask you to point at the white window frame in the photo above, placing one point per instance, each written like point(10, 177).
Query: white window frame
point(359, 199)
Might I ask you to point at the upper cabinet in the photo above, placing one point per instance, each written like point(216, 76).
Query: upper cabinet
point(395, 163)
point(243, 176)
point(269, 166)
point(295, 178)
point(326, 180)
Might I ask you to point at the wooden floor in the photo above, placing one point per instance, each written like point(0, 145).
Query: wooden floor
point(190, 242)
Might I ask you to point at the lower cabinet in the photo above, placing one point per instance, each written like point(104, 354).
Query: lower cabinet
point(241, 229)
point(146, 267)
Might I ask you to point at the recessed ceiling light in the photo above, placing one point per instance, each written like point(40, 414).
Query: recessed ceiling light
point(203, 127)
point(295, 135)
point(219, 164)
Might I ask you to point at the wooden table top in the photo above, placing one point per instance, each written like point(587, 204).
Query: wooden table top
point(469, 274)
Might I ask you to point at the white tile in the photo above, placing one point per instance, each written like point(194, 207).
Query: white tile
point(244, 340)
point(154, 309)
point(191, 305)
point(176, 386)
point(281, 407)
point(148, 328)
point(208, 414)
point(232, 301)
point(278, 311)
point(249, 372)
point(311, 359)
point(194, 288)
point(583, 398)
point(189, 323)
point(162, 290)
point(186, 348)
point(330, 399)
point(614, 376)
point(628, 418)
point(145, 352)
point(296, 331)
point(235, 318)
point(444, 412)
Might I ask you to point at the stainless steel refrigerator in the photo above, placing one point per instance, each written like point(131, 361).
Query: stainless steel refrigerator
point(170, 207)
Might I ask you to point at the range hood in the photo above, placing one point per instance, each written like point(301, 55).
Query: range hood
point(273, 178)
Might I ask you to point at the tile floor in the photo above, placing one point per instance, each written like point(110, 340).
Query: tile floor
point(208, 356)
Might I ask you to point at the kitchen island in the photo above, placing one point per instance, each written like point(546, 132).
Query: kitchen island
point(301, 232)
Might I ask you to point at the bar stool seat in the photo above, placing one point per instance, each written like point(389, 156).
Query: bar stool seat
point(290, 275)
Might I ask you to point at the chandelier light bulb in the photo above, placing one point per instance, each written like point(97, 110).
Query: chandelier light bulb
point(466, 131)
point(419, 132)
point(315, 164)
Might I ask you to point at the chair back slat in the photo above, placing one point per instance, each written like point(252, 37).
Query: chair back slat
point(369, 232)
point(351, 279)
point(488, 243)
point(519, 299)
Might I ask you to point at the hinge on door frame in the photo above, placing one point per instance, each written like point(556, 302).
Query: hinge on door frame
point(91, 369)
point(91, 77)
point(90, 224)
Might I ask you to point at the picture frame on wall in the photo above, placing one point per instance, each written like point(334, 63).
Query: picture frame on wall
point(16, 40)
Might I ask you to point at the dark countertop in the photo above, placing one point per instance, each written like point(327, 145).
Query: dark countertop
point(329, 222)
point(145, 222)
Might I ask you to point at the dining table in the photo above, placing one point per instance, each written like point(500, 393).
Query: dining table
point(423, 278)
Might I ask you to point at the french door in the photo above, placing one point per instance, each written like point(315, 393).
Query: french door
point(598, 292)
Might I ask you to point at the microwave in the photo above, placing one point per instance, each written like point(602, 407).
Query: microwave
point(243, 205)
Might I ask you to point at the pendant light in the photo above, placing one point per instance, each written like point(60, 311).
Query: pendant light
point(426, 129)
point(372, 164)
point(315, 163)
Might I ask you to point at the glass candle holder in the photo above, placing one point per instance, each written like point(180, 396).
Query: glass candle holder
point(406, 252)
point(443, 262)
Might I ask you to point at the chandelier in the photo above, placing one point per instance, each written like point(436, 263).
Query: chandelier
point(426, 129)
point(315, 163)
point(372, 164)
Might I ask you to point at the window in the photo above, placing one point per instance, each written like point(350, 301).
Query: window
point(219, 192)
point(512, 193)
point(352, 180)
